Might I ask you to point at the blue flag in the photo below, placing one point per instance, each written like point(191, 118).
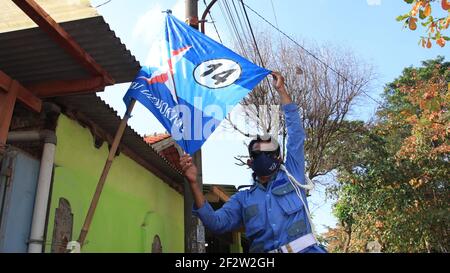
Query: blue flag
point(196, 87)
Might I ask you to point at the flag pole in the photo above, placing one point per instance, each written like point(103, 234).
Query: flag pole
point(106, 168)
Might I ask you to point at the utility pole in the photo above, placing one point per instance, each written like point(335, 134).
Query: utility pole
point(194, 230)
point(192, 13)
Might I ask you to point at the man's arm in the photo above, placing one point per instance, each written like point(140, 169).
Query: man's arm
point(295, 158)
point(223, 220)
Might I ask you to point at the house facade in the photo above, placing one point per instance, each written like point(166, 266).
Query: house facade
point(135, 208)
point(55, 136)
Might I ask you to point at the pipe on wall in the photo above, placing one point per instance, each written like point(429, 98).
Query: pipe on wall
point(36, 241)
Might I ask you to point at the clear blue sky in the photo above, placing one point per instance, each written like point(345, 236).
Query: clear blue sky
point(367, 27)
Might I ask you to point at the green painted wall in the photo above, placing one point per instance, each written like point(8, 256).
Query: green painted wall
point(135, 204)
point(236, 246)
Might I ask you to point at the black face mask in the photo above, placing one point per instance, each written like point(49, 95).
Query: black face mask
point(265, 164)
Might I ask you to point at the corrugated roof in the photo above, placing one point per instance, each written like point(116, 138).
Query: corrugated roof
point(153, 139)
point(168, 150)
point(13, 18)
point(105, 117)
point(30, 55)
point(172, 156)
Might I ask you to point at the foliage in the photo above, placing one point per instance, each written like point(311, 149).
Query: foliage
point(396, 191)
point(423, 10)
point(336, 241)
point(427, 93)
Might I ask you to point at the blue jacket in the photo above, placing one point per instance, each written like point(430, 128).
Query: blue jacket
point(272, 216)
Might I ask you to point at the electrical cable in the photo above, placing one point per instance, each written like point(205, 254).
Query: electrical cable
point(310, 53)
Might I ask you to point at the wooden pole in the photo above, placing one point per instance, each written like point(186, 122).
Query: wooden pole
point(7, 103)
point(191, 12)
point(106, 168)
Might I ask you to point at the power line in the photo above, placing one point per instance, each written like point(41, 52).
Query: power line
point(103, 4)
point(214, 23)
point(233, 25)
point(256, 44)
point(310, 53)
point(276, 19)
point(274, 13)
point(230, 30)
point(235, 30)
point(247, 30)
point(253, 35)
point(244, 27)
point(242, 32)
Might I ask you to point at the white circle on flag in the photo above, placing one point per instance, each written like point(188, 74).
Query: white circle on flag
point(218, 73)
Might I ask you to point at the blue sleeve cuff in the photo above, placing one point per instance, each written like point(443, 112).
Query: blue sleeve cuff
point(290, 107)
point(206, 209)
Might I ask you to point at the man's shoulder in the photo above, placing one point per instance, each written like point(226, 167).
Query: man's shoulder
point(244, 192)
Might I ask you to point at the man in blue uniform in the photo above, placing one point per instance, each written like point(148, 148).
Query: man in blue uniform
point(274, 210)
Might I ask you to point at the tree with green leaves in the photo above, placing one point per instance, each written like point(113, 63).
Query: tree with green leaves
point(396, 190)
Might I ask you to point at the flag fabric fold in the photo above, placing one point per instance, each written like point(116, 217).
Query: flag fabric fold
point(196, 86)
